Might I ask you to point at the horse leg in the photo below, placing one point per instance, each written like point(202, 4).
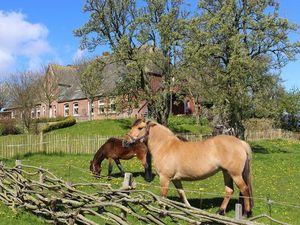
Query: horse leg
point(110, 167)
point(239, 181)
point(146, 162)
point(117, 161)
point(228, 192)
point(181, 192)
point(164, 185)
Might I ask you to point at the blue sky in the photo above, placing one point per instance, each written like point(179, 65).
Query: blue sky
point(35, 33)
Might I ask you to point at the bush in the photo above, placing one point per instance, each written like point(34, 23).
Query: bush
point(69, 121)
point(47, 120)
point(8, 127)
point(259, 124)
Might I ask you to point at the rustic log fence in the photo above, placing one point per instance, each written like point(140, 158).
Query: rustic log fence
point(41, 192)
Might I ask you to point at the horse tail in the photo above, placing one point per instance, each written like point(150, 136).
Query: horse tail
point(247, 176)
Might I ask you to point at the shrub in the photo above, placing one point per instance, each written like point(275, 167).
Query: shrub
point(47, 120)
point(259, 124)
point(8, 127)
point(67, 122)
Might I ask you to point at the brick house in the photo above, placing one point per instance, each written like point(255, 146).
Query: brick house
point(71, 101)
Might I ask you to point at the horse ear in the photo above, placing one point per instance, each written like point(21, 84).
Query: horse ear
point(150, 123)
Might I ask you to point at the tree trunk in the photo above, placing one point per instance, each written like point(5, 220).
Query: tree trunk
point(90, 108)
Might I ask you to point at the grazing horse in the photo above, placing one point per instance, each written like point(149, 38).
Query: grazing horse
point(175, 160)
point(114, 149)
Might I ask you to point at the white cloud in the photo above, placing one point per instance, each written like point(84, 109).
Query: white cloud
point(21, 39)
point(79, 55)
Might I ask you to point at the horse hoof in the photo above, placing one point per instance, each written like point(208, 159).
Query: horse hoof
point(221, 212)
point(247, 214)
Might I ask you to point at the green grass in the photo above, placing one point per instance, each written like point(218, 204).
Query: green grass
point(275, 175)
point(16, 216)
point(109, 127)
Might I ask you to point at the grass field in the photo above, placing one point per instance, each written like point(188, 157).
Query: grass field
point(109, 127)
point(275, 176)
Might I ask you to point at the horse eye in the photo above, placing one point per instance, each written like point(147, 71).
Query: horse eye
point(140, 128)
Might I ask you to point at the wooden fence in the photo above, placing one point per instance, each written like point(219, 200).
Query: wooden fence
point(12, 146)
point(271, 134)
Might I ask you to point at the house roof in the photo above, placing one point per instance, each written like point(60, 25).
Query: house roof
point(69, 80)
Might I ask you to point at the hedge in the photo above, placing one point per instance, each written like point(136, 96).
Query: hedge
point(69, 121)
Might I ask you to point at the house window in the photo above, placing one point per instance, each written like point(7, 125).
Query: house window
point(38, 112)
point(66, 109)
point(112, 105)
point(92, 109)
point(75, 108)
point(101, 109)
point(33, 113)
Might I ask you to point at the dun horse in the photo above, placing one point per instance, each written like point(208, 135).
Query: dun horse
point(175, 160)
point(114, 150)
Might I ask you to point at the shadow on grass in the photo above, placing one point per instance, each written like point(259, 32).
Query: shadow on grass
point(208, 203)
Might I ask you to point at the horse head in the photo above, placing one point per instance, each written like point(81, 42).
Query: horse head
point(139, 131)
point(95, 168)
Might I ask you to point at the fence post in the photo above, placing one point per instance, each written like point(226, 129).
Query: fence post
point(41, 142)
point(18, 166)
point(1, 166)
point(238, 211)
point(128, 182)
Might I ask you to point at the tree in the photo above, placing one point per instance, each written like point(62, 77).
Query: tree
point(290, 109)
point(3, 94)
point(139, 36)
point(90, 79)
point(22, 90)
point(242, 40)
point(48, 88)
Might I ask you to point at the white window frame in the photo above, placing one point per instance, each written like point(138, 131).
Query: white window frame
point(75, 108)
point(92, 108)
point(101, 103)
point(66, 109)
point(112, 102)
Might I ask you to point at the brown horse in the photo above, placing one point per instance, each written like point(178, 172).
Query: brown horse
point(114, 149)
point(175, 160)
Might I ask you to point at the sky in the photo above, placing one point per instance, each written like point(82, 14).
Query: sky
point(34, 33)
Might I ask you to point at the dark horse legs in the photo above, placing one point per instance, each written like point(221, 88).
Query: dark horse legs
point(117, 161)
point(110, 166)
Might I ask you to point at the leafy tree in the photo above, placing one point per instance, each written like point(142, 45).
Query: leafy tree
point(22, 90)
point(290, 109)
point(242, 41)
point(144, 37)
point(90, 79)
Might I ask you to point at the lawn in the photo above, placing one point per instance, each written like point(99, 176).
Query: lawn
point(275, 176)
point(109, 127)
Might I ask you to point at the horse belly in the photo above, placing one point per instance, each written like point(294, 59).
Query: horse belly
point(195, 174)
